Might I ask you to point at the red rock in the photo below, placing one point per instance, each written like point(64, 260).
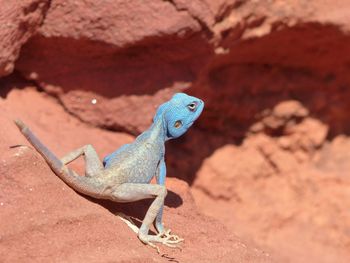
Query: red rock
point(19, 20)
point(114, 49)
point(285, 114)
point(290, 109)
point(120, 24)
point(122, 113)
point(291, 212)
point(224, 174)
point(315, 131)
point(198, 9)
point(334, 158)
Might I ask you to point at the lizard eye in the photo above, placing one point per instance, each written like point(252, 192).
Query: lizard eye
point(178, 124)
point(192, 106)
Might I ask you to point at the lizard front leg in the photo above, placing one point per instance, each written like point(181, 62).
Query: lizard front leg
point(162, 231)
point(129, 192)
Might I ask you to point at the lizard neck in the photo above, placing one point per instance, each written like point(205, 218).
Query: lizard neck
point(157, 131)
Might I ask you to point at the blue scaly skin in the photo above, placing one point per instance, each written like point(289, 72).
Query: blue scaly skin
point(125, 175)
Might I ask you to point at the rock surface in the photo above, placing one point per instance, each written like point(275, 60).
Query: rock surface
point(282, 192)
point(297, 215)
point(127, 48)
point(100, 111)
point(286, 50)
point(18, 22)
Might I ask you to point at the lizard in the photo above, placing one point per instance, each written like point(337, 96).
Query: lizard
point(125, 174)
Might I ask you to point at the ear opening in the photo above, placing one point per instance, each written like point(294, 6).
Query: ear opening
point(178, 124)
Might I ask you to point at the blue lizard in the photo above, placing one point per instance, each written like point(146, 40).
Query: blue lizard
point(125, 174)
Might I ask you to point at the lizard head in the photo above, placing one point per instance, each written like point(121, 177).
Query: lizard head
point(179, 113)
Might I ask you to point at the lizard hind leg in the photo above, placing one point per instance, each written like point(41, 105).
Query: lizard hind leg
point(129, 192)
point(93, 164)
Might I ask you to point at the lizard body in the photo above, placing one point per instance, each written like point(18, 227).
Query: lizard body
point(125, 175)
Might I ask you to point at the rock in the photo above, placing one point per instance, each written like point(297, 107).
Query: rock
point(45, 218)
point(285, 114)
point(199, 10)
point(294, 202)
point(226, 172)
point(18, 22)
point(278, 160)
point(109, 50)
point(314, 131)
point(119, 24)
point(255, 20)
point(279, 62)
point(334, 158)
point(225, 49)
point(290, 109)
point(67, 133)
point(132, 114)
point(289, 121)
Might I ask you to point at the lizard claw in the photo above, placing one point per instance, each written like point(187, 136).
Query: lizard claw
point(174, 239)
point(164, 238)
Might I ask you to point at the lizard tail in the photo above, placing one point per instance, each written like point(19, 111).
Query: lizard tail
point(71, 178)
point(55, 164)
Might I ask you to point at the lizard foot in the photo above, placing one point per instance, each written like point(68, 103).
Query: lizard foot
point(172, 237)
point(168, 240)
point(164, 238)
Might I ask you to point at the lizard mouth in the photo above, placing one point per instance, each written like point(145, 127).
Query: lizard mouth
point(198, 113)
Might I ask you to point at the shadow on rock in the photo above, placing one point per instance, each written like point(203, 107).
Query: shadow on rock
point(137, 209)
